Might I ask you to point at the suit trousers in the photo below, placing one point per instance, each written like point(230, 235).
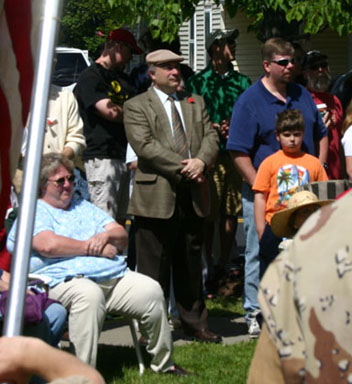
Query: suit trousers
point(176, 242)
point(134, 295)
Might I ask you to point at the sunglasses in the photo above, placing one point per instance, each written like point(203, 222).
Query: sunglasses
point(315, 67)
point(221, 42)
point(61, 181)
point(284, 62)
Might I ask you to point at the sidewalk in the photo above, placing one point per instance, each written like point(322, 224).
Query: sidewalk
point(233, 330)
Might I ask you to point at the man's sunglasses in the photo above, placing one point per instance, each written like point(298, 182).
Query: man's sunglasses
point(61, 181)
point(284, 62)
point(315, 67)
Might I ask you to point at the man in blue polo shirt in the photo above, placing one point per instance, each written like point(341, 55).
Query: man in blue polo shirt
point(252, 139)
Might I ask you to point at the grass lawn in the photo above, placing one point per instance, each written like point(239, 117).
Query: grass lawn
point(218, 364)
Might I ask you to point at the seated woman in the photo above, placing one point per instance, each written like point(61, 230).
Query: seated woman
point(76, 245)
point(51, 328)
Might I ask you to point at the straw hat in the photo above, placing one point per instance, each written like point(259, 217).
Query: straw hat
point(280, 221)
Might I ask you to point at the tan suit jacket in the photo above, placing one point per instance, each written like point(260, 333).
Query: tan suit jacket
point(158, 174)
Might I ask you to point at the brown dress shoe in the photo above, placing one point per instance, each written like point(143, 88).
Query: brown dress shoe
point(206, 336)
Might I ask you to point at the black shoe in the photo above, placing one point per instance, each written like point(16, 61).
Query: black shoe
point(176, 370)
point(205, 336)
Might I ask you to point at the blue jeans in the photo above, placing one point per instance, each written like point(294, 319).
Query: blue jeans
point(251, 270)
point(81, 185)
point(55, 316)
point(268, 248)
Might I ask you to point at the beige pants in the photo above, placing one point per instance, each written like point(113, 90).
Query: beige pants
point(135, 295)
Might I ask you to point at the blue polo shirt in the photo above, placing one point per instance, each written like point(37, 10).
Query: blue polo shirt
point(252, 128)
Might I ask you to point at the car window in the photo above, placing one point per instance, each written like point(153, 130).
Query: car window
point(68, 68)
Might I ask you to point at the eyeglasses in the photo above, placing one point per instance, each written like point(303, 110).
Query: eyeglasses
point(284, 62)
point(316, 66)
point(61, 181)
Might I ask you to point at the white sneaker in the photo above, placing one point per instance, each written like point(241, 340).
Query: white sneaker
point(253, 325)
point(174, 323)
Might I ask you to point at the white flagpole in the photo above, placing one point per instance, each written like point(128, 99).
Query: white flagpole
point(29, 194)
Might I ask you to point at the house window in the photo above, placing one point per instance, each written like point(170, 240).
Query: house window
point(207, 21)
point(192, 43)
point(207, 27)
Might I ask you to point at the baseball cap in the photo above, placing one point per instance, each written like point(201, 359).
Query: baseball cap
point(122, 35)
point(313, 57)
point(220, 34)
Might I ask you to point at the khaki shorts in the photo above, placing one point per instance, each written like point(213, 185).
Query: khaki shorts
point(225, 188)
point(108, 186)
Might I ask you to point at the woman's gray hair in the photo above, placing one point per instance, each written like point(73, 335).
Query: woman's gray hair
point(50, 162)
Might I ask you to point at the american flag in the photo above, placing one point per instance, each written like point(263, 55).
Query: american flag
point(19, 27)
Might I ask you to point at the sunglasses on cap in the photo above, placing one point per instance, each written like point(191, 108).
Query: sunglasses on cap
point(284, 62)
point(315, 67)
point(61, 181)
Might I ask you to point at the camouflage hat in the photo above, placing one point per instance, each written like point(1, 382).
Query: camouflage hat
point(220, 34)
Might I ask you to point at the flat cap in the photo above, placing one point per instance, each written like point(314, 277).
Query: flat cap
point(162, 56)
point(219, 34)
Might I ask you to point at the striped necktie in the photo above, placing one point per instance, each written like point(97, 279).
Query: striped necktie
point(180, 141)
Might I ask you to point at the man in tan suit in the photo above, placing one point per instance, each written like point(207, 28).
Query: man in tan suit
point(175, 143)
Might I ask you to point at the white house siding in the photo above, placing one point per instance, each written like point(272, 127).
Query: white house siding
point(336, 47)
point(216, 22)
point(248, 52)
point(248, 47)
point(249, 62)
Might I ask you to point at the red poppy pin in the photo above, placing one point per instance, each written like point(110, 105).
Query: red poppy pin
point(191, 100)
point(51, 122)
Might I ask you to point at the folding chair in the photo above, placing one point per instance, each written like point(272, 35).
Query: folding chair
point(134, 327)
point(327, 189)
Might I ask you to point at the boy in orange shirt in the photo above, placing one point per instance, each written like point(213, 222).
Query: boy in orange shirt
point(278, 177)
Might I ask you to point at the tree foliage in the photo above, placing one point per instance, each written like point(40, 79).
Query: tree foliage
point(83, 18)
point(81, 22)
point(164, 17)
point(313, 15)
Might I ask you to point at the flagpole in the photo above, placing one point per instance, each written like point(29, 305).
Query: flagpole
point(29, 193)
